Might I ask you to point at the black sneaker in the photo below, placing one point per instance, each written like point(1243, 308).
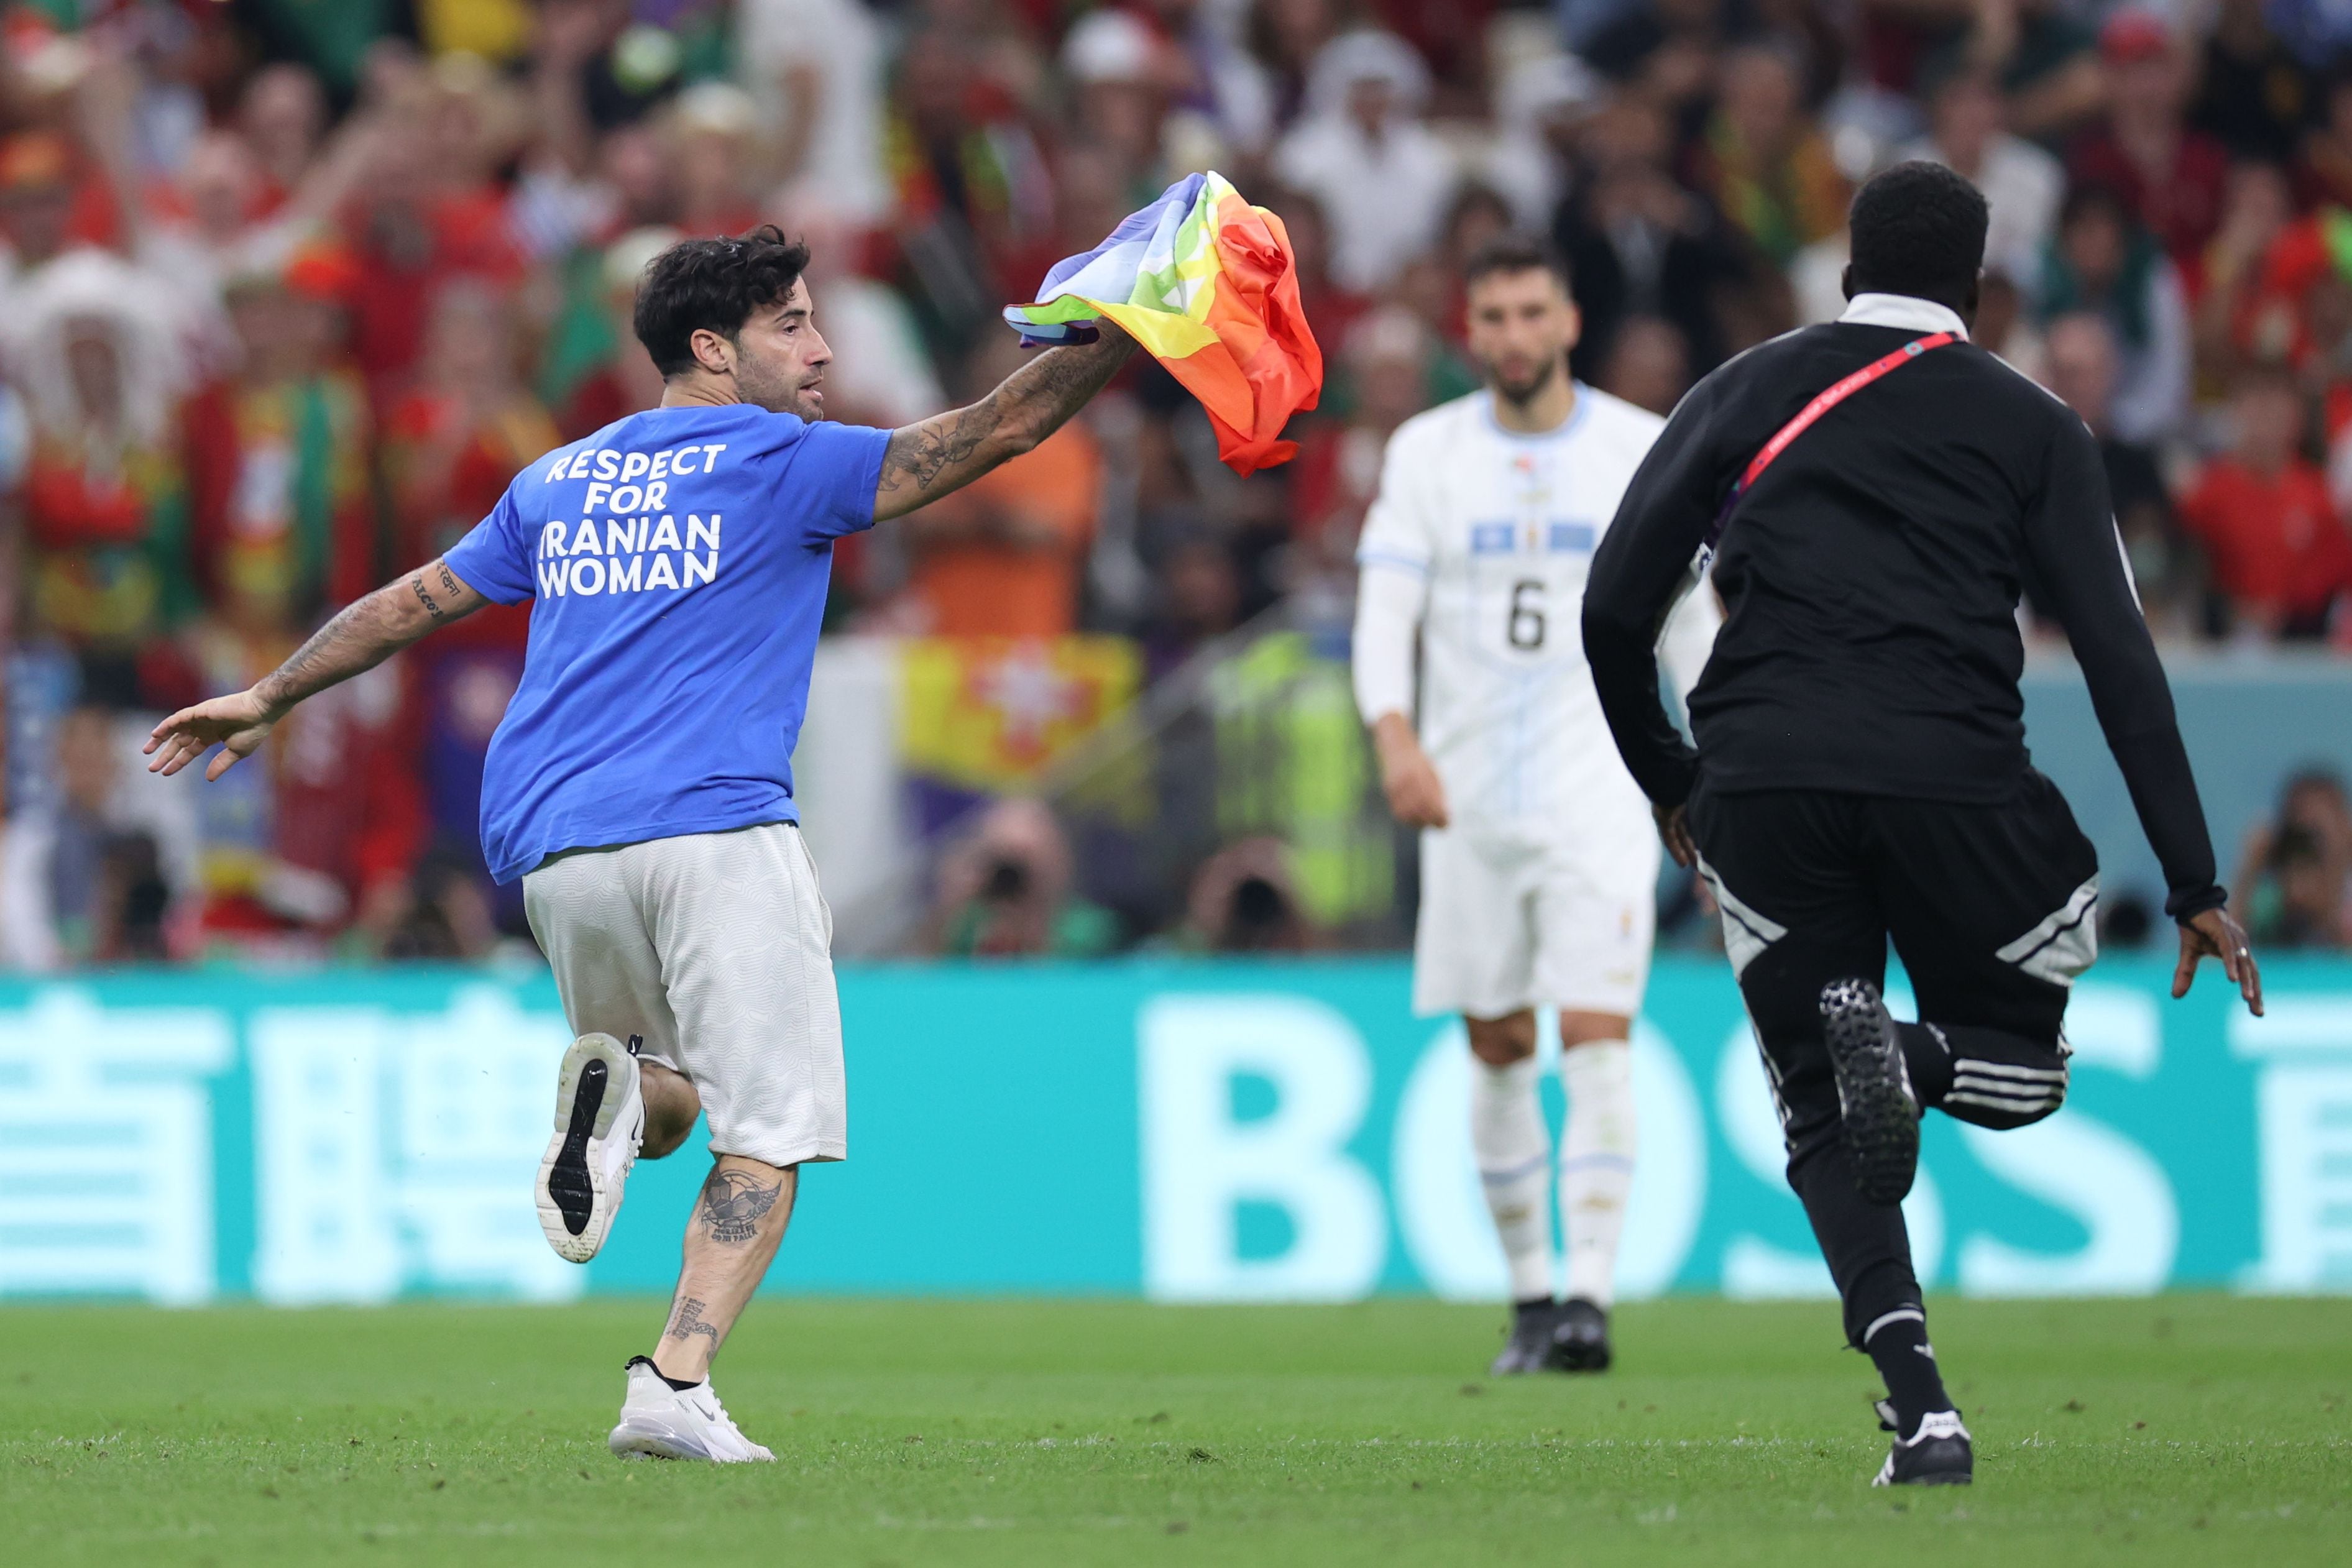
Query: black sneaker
point(1880, 1114)
point(1529, 1347)
point(1936, 1455)
point(1580, 1338)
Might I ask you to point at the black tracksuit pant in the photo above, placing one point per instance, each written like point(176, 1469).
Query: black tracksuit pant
point(1991, 909)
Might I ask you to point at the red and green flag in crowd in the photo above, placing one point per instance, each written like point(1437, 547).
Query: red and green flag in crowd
point(1207, 285)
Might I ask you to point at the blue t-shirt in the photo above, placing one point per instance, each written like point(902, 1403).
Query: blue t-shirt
point(681, 558)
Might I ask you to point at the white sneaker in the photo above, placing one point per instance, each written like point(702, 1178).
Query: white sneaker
point(659, 1422)
point(599, 1118)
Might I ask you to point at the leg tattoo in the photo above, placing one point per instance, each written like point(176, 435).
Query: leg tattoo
point(689, 1321)
point(733, 1203)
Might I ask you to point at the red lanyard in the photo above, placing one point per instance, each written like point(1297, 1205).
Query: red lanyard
point(1837, 393)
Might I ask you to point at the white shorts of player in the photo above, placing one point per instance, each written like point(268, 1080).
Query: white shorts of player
point(1510, 922)
point(716, 948)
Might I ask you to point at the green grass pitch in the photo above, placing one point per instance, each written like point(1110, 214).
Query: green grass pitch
point(2182, 1429)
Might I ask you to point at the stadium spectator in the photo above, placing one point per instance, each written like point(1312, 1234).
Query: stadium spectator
point(466, 427)
point(816, 71)
point(281, 503)
point(1648, 365)
point(2104, 261)
point(1361, 150)
point(445, 913)
point(1968, 131)
point(86, 880)
point(2080, 362)
point(711, 130)
point(2169, 174)
point(1005, 891)
point(1665, 53)
point(1385, 364)
point(1540, 108)
point(1199, 600)
point(1764, 162)
point(282, 118)
point(2324, 172)
point(2257, 272)
point(1283, 37)
point(2254, 96)
point(98, 351)
point(2004, 327)
point(2297, 864)
point(614, 377)
point(2045, 57)
point(970, 182)
point(2281, 557)
point(1640, 244)
point(1245, 900)
point(1119, 70)
point(423, 211)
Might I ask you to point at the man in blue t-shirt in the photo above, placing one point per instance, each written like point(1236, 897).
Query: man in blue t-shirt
point(641, 784)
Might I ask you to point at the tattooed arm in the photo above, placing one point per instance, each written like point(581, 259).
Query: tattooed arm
point(951, 450)
point(363, 636)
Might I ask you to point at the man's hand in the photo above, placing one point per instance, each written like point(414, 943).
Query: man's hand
point(1673, 831)
point(361, 636)
point(2215, 933)
point(238, 724)
point(1416, 795)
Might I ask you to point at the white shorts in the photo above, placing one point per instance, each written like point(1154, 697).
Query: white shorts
point(716, 950)
point(1509, 923)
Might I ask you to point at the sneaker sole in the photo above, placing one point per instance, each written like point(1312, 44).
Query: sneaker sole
point(1881, 1127)
point(651, 1442)
point(643, 1443)
point(576, 1203)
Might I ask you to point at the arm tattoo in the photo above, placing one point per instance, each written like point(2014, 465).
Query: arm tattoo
point(955, 448)
point(689, 1321)
point(448, 580)
point(733, 1203)
point(430, 608)
point(364, 634)
point(921, 452)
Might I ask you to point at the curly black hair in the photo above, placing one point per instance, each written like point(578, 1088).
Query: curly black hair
point(1918, 229)
point(712, 285)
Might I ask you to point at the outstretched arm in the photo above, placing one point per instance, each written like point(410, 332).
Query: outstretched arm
point(949, 451)
point(363, 636)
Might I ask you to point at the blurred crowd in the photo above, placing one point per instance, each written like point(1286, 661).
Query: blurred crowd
point(289, 290)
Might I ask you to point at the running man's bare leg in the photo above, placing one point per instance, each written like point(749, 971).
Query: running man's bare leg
point(738, 1221)
point(672, 1105)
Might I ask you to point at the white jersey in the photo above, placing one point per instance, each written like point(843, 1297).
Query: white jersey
point(1498, 530)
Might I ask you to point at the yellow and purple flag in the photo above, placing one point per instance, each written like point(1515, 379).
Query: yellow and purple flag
point(1207, 285)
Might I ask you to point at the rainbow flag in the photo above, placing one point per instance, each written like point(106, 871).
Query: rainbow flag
point(1207, 285)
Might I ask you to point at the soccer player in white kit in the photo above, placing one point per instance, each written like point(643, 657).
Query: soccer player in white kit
point(1539, 860)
